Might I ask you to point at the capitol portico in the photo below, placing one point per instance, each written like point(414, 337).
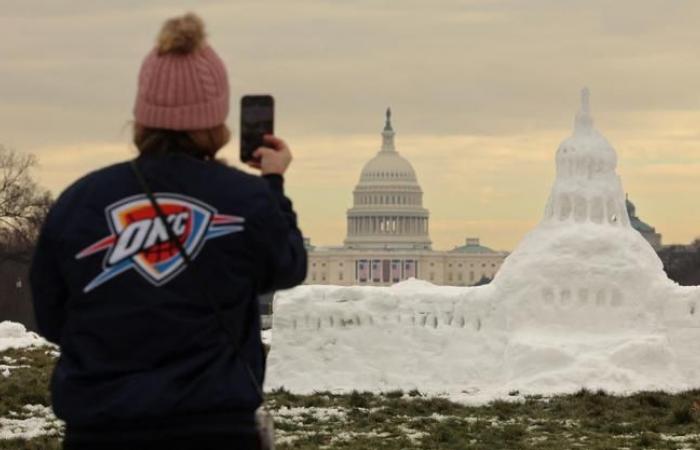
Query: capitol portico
point(388, 233)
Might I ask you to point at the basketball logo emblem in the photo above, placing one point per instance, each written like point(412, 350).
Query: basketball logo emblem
point(139, 240)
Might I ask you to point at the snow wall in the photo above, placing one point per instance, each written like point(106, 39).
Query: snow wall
point(464, 343)
point(583, 301)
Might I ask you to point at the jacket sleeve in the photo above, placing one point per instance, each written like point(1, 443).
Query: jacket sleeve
point(278, 240)
point(49, 290)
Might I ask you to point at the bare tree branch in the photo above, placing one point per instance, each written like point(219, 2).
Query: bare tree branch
point(23, 205)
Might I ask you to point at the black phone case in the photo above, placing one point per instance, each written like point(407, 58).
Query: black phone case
point(257, 120)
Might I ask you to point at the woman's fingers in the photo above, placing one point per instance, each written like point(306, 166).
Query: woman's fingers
point(274, 142)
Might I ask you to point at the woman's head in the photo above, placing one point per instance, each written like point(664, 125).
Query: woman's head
point(183, 94)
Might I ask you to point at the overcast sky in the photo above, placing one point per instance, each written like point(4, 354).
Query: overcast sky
point(482, 93)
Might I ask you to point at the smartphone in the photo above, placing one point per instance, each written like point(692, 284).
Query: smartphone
point(257, 120)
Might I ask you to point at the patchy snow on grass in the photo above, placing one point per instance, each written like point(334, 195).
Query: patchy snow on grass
point(349, 436)
point(692, 438)
point(296, 414)
point(5, 370)
point(31, 422)
point(413, 435)
point(310, 421)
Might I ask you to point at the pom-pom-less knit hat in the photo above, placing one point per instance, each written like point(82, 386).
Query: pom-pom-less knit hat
point(183, 83)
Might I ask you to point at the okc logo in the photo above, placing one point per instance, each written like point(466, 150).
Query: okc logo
point(140, 240)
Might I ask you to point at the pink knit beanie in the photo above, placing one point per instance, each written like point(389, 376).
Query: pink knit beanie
point(183, 83)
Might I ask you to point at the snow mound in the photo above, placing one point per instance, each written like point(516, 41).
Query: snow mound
point(15, 335)
point(582, 302)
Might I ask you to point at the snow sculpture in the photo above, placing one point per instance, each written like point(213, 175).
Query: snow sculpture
point(587, 188)
point(584, 254)
point(583, 301)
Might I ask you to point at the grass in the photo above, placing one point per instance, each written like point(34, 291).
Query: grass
point(26, 385)
point(397, 420)
point(586, 420)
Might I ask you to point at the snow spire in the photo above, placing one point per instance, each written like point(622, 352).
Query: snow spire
point(388, 134)
point(584, 120)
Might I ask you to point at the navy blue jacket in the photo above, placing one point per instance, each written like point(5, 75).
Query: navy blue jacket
point(140, 342)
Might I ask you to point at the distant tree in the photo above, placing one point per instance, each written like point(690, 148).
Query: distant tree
point(23, 206)
point(691, 275)
point(682, 263)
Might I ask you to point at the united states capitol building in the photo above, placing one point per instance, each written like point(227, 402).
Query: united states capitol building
point(388, 234)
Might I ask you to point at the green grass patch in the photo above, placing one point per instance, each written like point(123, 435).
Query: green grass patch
point(25, 385)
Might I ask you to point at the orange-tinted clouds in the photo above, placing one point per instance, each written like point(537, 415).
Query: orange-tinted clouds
point(482, 91)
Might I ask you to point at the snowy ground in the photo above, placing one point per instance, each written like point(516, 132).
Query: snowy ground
point(29, 422)
point(398, 421)
point(15, 335)
point(393, 420)
point(25, 363)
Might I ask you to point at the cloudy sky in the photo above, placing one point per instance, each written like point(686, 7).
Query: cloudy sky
point(482, 93)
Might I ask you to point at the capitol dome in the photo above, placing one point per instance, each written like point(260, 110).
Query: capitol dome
point(389, 167)
point(387, 210)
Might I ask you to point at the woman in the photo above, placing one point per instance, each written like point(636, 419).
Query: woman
point(161, 349)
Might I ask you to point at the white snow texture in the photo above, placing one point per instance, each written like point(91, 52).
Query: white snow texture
point(15, 335)
point(583, 302)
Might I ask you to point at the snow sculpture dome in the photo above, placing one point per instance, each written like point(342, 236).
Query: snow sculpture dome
point(587, 189)
point(388, 208)
point(586, 152)
point(584, 252)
